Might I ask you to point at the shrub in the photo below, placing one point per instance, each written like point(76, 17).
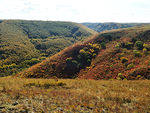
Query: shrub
point(129, 45)
point(118, 45)
point(71, 63)
point(42, 58)
point(146, 46)
point(138, 77)
point(139, 45)
point(103, 45)
point(144, 50)
point(43, 54)
point(120, 76)
point(68, 60)
point(137, 53)
point(124, 59)
point(96, 47)
point(85, 54)
point(31, 62)
point(82, 52)
point(85, 49)
point(130, 66)
point(91, 50)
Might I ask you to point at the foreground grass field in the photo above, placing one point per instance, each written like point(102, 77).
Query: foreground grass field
point(73, 95)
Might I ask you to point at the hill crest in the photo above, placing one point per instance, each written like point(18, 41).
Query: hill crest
point(100, 27)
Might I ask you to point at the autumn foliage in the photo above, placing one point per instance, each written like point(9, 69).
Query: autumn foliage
point(117, 54)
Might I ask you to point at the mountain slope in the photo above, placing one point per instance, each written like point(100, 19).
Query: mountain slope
point(24, 43)
point(99, 27)
point(45, 29)
point(118, 54)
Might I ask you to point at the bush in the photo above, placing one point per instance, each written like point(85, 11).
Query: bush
point(124, 59)
point(138, 76)
point(42, 58)
point(85, 49)
point(129, 45)
point(94, 55)
point(82, 52)
point(85, 54)
point(144, 50)
point(68, 60)
point(103, 45)
point(96, 47)
point(31, 62)
point(130, 66)
point(146, 46)
point(117, 46)
point(139, 45)
point(137, 53)
point(72, 63)
point(120, 76)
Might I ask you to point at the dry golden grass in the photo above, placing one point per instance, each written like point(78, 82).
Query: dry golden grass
point(73, 95)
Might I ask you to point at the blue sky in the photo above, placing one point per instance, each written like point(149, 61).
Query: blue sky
point(77, 10)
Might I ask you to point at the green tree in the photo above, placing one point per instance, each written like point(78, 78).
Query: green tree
point(139, 45)
point(103, 45)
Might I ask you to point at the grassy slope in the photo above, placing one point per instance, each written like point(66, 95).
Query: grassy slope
point(107, 64)
point(99, 27)
point(65, 95)
point(23, 40)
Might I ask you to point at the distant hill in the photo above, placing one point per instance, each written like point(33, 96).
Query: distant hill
point(99, 27)
point(25, 43)
point(117, 54)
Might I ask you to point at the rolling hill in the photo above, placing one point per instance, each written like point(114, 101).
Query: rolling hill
point(99, 27)
point(25, 43)
point(116, 54)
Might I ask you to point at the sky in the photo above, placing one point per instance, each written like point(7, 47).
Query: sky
point(77, 10)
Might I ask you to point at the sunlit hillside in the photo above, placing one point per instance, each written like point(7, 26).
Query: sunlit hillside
point(74, 56)
point(116, 54)
point(25, 43)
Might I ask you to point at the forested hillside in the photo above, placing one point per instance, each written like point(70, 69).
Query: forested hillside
point(99, 27)
point(25, 43)
point(117, 54)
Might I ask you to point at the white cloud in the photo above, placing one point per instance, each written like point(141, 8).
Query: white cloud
point(77, 10)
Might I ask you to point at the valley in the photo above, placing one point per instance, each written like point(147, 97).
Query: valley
point(115, 54)
point(63, 67)
point(25, 43)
